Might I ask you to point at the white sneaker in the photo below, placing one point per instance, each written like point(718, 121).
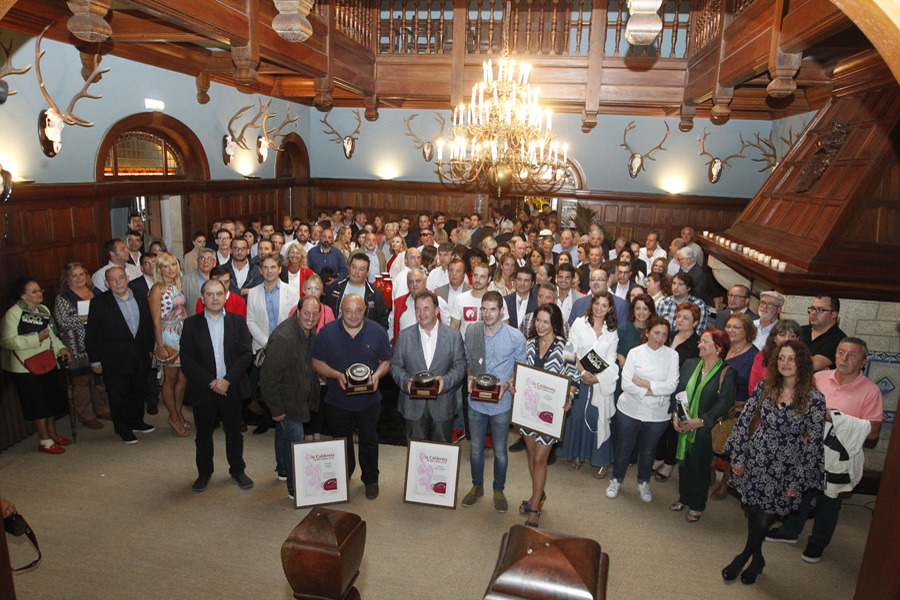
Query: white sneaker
point(613, 490)
point(644, 489)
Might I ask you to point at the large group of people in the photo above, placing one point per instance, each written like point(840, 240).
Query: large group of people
point(266, 322)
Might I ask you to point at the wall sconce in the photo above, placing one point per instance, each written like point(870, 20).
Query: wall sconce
point(673, 185)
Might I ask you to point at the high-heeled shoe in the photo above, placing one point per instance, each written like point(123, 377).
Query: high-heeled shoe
point(731, 572)
point(177, 428)
point(748, 577)
point(525, 507)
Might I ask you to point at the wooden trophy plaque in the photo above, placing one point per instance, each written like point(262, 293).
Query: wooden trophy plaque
point(423, 392)
point(491, 394)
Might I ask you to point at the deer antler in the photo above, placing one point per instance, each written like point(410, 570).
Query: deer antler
point(419, 143)
point(8, 69)
point(287, 120)
point(791, 140)
point(770, 156)
point(740, 153)
point(439, 118)
point(68, 117)
point(355, 133)
point(237, 115)
point(331, 130)
point(251, 125)
point(703, 152)
point(625, 137)
point(658, 146)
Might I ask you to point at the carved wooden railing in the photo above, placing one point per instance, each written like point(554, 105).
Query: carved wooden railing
point(356, 19)
point(740, 6)
point(536, 27)
point(708, 23)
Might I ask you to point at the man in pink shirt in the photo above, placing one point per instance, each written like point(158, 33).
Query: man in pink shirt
point(848, 391)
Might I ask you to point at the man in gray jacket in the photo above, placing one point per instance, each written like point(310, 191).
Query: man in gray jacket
point(429, 345)
point(289, 386)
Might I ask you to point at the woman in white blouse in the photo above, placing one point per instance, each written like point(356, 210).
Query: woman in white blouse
point(649, 378)
point(588, 424)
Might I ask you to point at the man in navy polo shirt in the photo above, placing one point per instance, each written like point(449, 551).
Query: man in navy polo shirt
point(348, 340)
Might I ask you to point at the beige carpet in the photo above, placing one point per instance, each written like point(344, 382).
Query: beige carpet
point(118, 521)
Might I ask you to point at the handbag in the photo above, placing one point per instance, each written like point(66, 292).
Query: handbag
point(722, 429)
point(173, 355)
point(16, 525)
point(40, 363)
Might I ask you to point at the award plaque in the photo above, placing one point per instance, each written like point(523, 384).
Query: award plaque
point(486, 388)
point(424, 386)
point(359, 380)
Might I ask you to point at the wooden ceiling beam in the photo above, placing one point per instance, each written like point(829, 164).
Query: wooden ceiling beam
point(133, 26)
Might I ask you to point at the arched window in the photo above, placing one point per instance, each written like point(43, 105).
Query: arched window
point(140, 153)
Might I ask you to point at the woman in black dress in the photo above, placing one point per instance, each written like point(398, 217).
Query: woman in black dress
point(780, 458)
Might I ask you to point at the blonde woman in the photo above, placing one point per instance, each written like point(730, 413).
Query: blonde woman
point(397, 260)
point(503, 277)
point(489, 244)
point(168, 312)
point(296, 267)
point(343, 241)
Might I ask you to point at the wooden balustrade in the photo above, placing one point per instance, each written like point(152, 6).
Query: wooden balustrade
point(355, 19)
point(536, 28)
point(708, 24)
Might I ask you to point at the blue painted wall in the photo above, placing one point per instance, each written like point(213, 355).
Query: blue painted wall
point(383, 151)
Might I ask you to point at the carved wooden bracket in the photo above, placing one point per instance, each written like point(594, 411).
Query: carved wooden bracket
point(687, 117)
point(588, 120)
point(782, 70)
point(87, 65)
point(86, 22)
point(245, 64)
point(202, 81)
point(290, 22)
point(371, 107)
point(722, 97)
point(324, 88)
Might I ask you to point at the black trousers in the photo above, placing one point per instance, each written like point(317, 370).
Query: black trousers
point(126, 395)
point(229, 409)
point(344, 423)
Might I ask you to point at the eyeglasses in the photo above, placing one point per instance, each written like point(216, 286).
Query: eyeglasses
point(735, 296)
point(206, 258)
point(765, 304)
point(818, 310)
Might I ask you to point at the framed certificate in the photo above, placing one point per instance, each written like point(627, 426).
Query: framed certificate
point(539, 401)
point(432, 473)
point(320, 472)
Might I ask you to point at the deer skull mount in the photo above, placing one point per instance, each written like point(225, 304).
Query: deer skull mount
point(636, 161)
point(348, 141)
point(8, 69)
point(231, 141)
point(769, 152)
point(52, 120)
point(427, 148)
point(717, 165)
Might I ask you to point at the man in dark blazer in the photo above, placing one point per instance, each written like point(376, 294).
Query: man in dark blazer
point(215, 355)
point(738, 301)
point(119, 343)
point(525, 295)
point(141, 288)
point(429, 345)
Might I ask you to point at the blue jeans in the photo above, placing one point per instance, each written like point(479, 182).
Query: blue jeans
point(478, 423)
point(824, 524)
point(286, 432)
point(629, 429)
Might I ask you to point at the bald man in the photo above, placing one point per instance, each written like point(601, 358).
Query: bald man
point(354, 339)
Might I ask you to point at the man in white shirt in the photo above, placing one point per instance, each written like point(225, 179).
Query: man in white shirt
point(651, 250)
point(440, 275)
point(466, 309)
point(390, 230)
point(240, 264)
point(565, 279)
point(520, 250)
point(223, 242)
point(455, 286)
point(301, 235)
point(426, 238)
point(117, 251)
point(676, 245)
point(135, 243)
point(444, 355)
point(315, 234)
point(770, 306)
point(413, 261)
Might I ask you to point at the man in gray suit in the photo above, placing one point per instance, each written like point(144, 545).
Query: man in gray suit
point(193, 281)
point(429, 345)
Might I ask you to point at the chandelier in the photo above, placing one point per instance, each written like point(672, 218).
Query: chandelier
point(503, 135)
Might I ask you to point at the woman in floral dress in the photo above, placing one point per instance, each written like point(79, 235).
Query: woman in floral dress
point(167, 308)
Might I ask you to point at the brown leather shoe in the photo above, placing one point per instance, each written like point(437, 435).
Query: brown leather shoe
point(105, 416)
point(93, 424)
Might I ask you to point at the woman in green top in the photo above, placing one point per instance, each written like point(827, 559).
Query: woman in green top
point(711, 387)
point(640, 309)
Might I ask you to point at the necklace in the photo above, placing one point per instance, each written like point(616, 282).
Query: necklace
point(734, 352)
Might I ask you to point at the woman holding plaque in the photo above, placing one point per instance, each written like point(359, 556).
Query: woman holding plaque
point(31, 347)
point(587, 435)
point(776, 450)
point(710, 387)
point(546, 349)
point(649, 378)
